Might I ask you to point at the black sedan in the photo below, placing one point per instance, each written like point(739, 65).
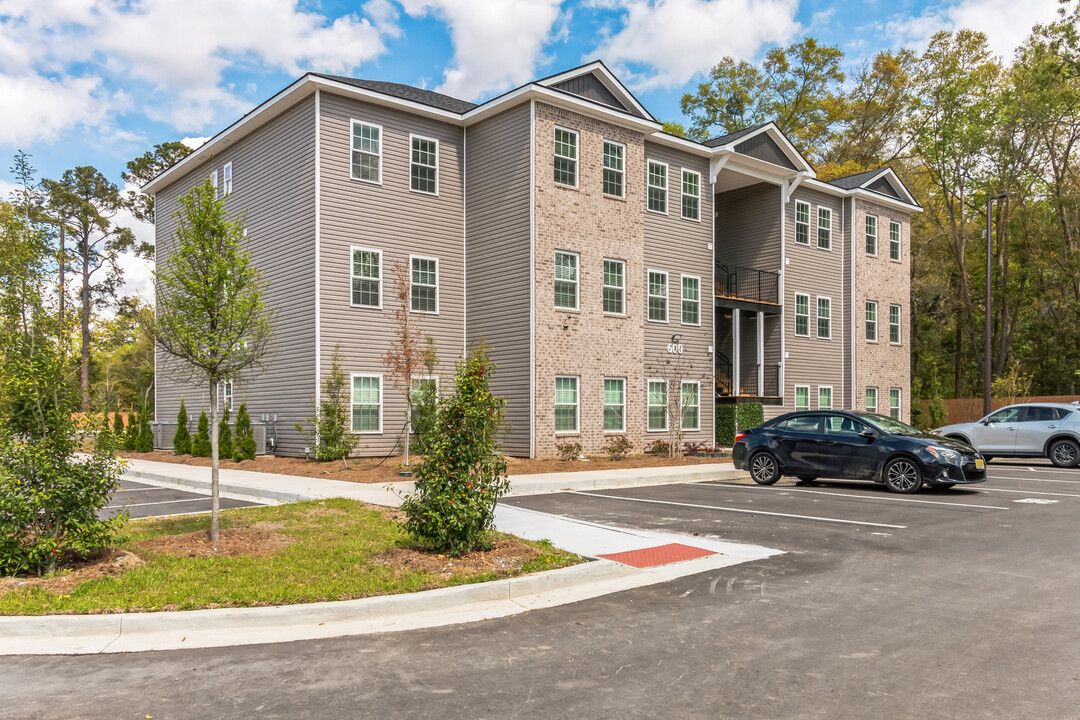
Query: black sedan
point(853, 445)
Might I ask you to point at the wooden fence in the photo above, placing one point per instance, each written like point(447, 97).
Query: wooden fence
point(959, 410)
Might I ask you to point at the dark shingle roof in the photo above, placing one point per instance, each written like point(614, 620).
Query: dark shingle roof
point(851, 182)
point(406, 92)
point(732, 137)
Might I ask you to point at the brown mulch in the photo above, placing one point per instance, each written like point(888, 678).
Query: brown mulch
point(257, 540)
point(505, 557)
point(371, 470)
point(106, 563)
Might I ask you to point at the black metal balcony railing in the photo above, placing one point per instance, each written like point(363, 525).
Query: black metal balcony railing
point(748, 380)
point(741, 283)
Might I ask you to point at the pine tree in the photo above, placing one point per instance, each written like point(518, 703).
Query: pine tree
point(225, 443)
point(144, 439)
point(200, 444)
point(182, 438)
point(131, 434)
point(118, 429)
point(244, 442)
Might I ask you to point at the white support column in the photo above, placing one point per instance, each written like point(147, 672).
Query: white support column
point(761, 354)
point(736, 332)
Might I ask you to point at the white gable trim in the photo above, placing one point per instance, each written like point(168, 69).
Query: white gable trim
point(606, 77)
point(781, 140)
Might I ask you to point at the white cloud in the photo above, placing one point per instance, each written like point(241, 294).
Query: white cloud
point(498, 45)
point(40, 108)
point(665, 43)
point(1006, 23)
point(195, 142)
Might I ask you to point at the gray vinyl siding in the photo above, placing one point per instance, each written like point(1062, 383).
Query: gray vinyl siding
point(589, 87)
point(498, 252)
point(398, 222)
point(273, 181)
point(849, 394)
point(748, 227)
point(679, 246)
point(763, 147)
point(814, 361)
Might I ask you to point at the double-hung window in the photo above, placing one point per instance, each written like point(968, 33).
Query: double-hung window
point(366, 278)
point(226, 177)
point(871, 320)
point(614, 168)
point(566, 157)
point(894, 241)
point(226, 388)
point(894, 324)
point(424, 288)
point(824, 317)
point(691, 195)
point(614, 404)
point(366, 152)
point(802, 315)
point(657, 405)
point(566, 280)
point(894, 403)
point(424, 165)
point(658, 296)
point(824, 228)
point(871, 235)
point(367, 403)
point(802, 397)
point(657, 187)
point(691, 405)
point(566, 404)
point(802, 222)
point(871, 399)
point(824, 397)
point(614, 287)
point(691, 300)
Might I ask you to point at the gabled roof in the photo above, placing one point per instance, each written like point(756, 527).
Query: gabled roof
point(767, 143)
point(406, 92)
point(880, 181)
point(594, 82)
point(732, 137)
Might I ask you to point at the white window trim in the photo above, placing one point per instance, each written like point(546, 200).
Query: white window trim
point(576, 158)
point(899, 325)
point(876, 394)
point(382, 278)
point(666, 188)
point(437, 283)
point(830, 389)
point(796, 315)
point(604, 286)
point(413, 136)
point(649, 296)
point(682, 300)
point(899, 402)
point(877, 235)
point(809, 222)
point(605, 403)
point(877, 320)
point(577, 283)
point(577, 404)
point(226, 394)
point(353, 122)
point(817, 235)
point(817, 317)
point(622, 172)
point(795, 397)
point(682, 408)
point(648, 382)
point(899, 241)
point(352, 402)
point(227, 179)
point(682, 194)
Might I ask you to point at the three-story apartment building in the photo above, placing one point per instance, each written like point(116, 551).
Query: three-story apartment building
point(610, 267)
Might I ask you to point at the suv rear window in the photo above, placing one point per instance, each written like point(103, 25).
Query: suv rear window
point(1038, 413)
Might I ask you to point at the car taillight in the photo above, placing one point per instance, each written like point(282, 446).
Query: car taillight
point(739, 436)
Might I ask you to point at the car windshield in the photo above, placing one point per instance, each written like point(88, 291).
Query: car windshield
point(889, 425)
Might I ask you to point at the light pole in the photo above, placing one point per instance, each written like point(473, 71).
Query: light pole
point(986, 349)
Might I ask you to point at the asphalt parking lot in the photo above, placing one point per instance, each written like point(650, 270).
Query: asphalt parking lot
point(140, 500)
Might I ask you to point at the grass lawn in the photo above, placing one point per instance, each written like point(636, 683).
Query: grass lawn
point(297, 553)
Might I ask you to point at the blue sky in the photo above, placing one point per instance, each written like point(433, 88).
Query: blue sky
point(100, 81)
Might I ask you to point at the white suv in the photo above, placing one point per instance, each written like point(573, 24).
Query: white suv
point(1050, 430)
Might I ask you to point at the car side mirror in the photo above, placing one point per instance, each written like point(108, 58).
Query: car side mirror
point(985, 421)
point(868, 434)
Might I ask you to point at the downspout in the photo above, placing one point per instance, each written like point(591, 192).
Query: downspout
point(318, 249)
point(532, 278)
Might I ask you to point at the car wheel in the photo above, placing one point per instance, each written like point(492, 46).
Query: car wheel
point(764, 469)
point(1065, 454)
point(902, 475)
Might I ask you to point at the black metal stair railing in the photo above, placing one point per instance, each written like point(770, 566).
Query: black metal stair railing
point(741, 283)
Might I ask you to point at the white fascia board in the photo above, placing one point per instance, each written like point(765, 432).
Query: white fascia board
point(377, 98)
point(862, 193)
point(606, 77)
point(561, 99)
point(759, 169)
point(663, 138)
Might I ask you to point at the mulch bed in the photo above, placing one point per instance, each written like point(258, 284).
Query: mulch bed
point(257, 540)
point(107, 563)
point(505, 557)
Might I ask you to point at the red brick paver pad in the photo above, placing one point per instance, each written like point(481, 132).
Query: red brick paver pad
point(660, 555)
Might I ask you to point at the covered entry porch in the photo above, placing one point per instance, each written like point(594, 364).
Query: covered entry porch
point(749, 366)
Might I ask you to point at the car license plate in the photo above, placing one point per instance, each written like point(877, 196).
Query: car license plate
point(980, 464)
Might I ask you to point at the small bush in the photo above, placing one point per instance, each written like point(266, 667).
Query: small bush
point(200, 444)
point(568, 450)
point(329, 433)
point(244, 444)
point(732, 418)
point(131, 434)
point(425, 399)
point(118, 427)
point(661, 448)
point(144, 434)
point(182, 438)
point(618, 447)
point(694, 448)
point(224, 436)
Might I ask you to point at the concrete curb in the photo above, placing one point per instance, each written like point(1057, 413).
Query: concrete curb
point(139, 632)
point(526, 487)
point(239, 491)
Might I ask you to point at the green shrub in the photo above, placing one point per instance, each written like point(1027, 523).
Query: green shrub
point(463, 473)
point(732, 418)
point(330, 431)
point(661, 448)
point(568, 450)
point(144, 434)
point(224, 435)
point(131, 434)
point(118, 427)
point(182, 438)
point(425, 400)
point(618, 447)
point(200, 444)
point(244, 443)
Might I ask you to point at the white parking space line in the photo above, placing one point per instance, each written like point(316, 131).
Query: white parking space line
point(1028, 492)
point(885, 498)
point(747, 512)
point(1031, 479)
point(161, 502)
